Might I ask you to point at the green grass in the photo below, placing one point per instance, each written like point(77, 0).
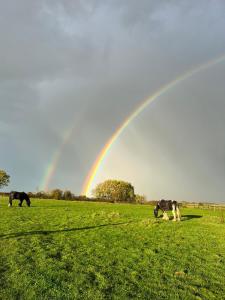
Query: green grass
point(77, 250)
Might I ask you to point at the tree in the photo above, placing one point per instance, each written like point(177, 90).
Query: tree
point(67, 195)
point(41, 195)
point(4, 178)
point(141, 199)
point(115, 190)
point(56, 194)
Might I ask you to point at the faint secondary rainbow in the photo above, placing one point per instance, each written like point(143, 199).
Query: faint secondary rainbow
point(52, 166)
point(95, 167)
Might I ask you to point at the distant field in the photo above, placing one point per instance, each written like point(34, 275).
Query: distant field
point(77, 250)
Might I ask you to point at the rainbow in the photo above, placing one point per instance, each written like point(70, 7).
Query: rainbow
point(101, 156)
point(52, 165)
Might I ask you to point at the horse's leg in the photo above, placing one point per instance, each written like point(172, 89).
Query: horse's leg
point(178, 213)
point(21, 202)
point(165, 216)
point(174, 212)
point(28, 202)
point(10, 199)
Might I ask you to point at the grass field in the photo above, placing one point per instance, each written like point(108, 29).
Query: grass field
point(77, 250)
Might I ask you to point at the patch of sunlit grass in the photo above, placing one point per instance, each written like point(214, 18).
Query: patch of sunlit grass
point(78, 250)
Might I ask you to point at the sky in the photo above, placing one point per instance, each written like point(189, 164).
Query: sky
point(73, 71)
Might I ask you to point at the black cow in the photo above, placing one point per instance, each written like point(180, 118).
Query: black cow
point(18, 196)
point(166, 205)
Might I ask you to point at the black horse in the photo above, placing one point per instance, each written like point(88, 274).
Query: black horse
point(18, 196)
point(166, 205)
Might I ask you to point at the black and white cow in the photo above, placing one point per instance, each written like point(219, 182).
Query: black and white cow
point(165, 206)
point(19, 196)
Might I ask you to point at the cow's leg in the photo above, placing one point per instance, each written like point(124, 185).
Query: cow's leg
point(178, 213)
point(165, 216)
point(174, 212)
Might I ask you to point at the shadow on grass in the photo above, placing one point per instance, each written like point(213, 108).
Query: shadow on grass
point(46, 232)
point(183, 217)
point(189, 217)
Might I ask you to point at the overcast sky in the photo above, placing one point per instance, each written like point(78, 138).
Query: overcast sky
point(88, 65)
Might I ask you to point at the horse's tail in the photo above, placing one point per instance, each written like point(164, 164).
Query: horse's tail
point(11, 197)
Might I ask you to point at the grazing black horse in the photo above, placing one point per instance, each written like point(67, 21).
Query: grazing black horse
point(166, 205)
point(19, 196)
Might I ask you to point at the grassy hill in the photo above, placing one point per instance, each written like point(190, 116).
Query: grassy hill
point(78, 250)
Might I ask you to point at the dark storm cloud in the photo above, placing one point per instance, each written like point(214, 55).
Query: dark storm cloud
point(88, 64)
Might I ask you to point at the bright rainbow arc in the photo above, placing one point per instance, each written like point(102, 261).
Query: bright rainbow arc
point(95, 167)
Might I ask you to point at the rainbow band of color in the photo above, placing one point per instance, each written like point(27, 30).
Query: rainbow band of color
point(52, 166)
point(95, 167)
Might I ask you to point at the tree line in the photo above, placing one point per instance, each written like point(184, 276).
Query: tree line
point(113, 191)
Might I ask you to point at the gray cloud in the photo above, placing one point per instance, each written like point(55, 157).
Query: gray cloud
point(88, 64)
